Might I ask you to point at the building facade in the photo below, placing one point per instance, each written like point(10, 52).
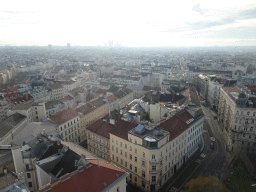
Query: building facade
point(236, 116)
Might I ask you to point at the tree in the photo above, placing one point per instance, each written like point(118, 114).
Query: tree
point(205, 184)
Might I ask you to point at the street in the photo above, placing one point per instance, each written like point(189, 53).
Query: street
point(208, 163)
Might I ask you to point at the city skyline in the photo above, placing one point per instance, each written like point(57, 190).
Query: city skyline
point(133, 24)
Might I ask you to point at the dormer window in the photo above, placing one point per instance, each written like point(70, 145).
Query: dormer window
point(248, 113)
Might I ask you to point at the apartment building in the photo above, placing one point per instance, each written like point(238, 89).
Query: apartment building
point(152, 155)
point(91, 111)
point(236, 116)
point(57, 91)
point(33, 111)
point(68, 125)
point(98, 138)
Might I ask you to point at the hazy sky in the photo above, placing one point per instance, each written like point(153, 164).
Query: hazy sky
point(130, 22)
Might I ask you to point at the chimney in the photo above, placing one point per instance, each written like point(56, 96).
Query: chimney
point(112, 121)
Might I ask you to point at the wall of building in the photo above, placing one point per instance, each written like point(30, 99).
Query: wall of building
point(70, 130)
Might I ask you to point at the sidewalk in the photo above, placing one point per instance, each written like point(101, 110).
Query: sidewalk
point(180, 171)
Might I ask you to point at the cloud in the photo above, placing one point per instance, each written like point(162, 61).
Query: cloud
point(197, 8)
point(247, 14)
point(233, 18)
point(19, 12)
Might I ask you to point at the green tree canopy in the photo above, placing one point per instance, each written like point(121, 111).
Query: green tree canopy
point(205, 184)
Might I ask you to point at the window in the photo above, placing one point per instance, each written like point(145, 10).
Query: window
point(121, 161)
point(135, 179)
point(153, 168)
point(130, 148)
point(153, 156)
point(125, 146)
point(143, 174)
point(135, 159)
point(161, 162)
point(143, 155)
point(248, 113)
point(116, 159)
point(131, 157)
point(116, 150)
point(125, 164)
point(125, 154)
point(27, 166)
point(135, 169)
point(112, 140)
point(117, 189)
point(121, 144)
point(143, 184)
point(153, 178)
point(143, 163)
point(130, 167)
point(28, 175)
point(135, 150)
point(121, 152)
point(112, 148)
point(29, 184)
point(116, 142)
point(113, 157)
point(135, 141)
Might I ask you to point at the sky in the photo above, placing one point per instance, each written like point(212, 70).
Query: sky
point(133, 23)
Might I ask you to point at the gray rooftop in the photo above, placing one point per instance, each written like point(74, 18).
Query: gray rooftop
point(10, 123)
point(145, 133)
point(33, 129)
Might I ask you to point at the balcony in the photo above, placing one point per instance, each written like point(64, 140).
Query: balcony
point(237, 131)
point(153, 171)
point(154, 161)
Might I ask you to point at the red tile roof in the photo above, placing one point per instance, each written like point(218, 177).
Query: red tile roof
point(194, 97)
point(91, 179)
point(121, 129)
point(111, 98)
point(68, 98)
point(64, 116)
point(90, 106)
point(104, 128)
point(101, 91)
point(231, 89)
point(77, 90)
point(184, 116)
point(176, 125)
point(251, 87)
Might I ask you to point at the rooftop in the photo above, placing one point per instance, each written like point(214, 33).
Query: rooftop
point(152, 134)
point(64, 116)
point(51, 104)
point(35, 128)
point(100, 175)
point(10, 123)
point(55, 86)
point(90, 106)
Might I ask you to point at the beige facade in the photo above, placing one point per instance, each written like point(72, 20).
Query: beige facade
point(148, 167)
point(57, 91)
point(157, 112)
point(238, 122)
point(70, 130)
point(98, 145)
point(91, 116)
point(33, 111)
point(125, 100)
